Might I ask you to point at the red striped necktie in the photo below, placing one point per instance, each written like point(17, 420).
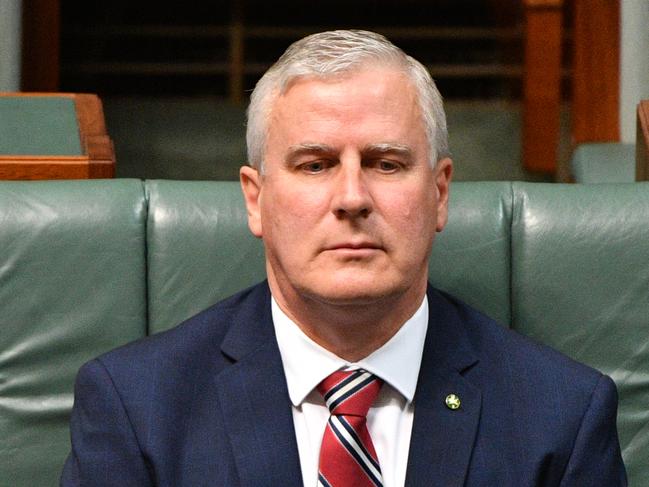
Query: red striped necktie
point(347, 455)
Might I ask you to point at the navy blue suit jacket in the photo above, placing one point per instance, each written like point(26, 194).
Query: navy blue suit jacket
point(206, 404)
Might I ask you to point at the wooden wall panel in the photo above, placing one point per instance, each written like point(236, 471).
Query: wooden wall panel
point(40, 45)
point(596, 85)
point(542, 84)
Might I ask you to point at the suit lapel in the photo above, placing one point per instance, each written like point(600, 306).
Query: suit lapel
point(443, 438)
point(254, 401)
point(256, 409)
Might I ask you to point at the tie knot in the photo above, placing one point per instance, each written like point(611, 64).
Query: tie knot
point(350, 392)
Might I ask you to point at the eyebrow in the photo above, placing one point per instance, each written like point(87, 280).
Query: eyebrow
point(388, 148)
point(380, 148)
point(309, 148)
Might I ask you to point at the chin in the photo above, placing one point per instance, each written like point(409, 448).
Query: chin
point(354, 292)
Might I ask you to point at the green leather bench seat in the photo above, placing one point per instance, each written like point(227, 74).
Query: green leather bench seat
point(471, 258)
point(72, 285)
point(580, 283)
point(199, 248)
point(88, 265)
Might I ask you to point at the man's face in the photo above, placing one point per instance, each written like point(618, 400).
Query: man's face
point(348, 204)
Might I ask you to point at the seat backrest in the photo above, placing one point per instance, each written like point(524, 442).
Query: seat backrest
point(580, 283)
point(471, 257)
point(567, 265)
point(72, 285)
point(88, 265)
point(200, 250)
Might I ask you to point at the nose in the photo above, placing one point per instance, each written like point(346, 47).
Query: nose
point(352, 197)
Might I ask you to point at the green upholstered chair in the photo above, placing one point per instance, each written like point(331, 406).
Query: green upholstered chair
point(615, 162)
point(604, 162)
point(565, 264)
point(88, 265)
point(72, 285)
point(580, 283)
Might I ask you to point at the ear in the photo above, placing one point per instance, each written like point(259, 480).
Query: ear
point(251, 186)
point(443, 174)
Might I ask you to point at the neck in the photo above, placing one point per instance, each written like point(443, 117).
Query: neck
point(352, 331)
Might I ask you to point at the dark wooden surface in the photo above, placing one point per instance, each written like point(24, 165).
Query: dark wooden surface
point(41, 29)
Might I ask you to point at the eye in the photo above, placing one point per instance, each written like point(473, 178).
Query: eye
point(386, 166)
point(314, 167)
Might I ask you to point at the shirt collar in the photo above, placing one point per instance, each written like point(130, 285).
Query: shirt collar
point(306, 363)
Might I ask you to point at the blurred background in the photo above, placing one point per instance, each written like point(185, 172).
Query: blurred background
point(524, 81)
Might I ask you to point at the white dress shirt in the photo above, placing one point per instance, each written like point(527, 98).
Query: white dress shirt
point(389, 420)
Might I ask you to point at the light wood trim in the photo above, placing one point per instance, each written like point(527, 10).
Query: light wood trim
point(90, 114)
point(33, 94)
point(642, 142)
point(542, 85)
point(44, 167)
point(596, 84)
point(94, 137)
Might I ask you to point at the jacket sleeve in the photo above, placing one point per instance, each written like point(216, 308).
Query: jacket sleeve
point(596, 459)
point(105, 449)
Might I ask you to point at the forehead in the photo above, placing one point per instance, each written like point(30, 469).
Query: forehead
point(371, 102)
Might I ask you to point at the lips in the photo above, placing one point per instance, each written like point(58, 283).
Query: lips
point(354, 250)
point(354, 246)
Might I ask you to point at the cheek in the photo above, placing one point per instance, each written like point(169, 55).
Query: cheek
point(292, 215)
point(413, 213)
point(413, 230)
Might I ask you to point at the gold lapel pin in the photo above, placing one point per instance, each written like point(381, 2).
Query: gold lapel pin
point(453, 402)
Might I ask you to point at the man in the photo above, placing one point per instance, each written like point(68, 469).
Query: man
point(345, 367)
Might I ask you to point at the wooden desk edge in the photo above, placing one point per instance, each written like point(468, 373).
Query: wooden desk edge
point(642, 142)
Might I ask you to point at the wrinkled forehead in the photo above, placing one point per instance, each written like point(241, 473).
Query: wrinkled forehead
point(366, 89)
point(279, 88)
point(371, 108)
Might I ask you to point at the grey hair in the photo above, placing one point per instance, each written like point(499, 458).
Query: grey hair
point(336, 53)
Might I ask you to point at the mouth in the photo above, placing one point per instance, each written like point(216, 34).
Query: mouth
point(354, 246)
point(354, 249)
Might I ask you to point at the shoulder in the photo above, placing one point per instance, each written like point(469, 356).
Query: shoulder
point(499, 346)
point(189, 344)
point(532, 375)
point(541, 412)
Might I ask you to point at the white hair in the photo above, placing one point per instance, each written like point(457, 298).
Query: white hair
point(336, 53)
